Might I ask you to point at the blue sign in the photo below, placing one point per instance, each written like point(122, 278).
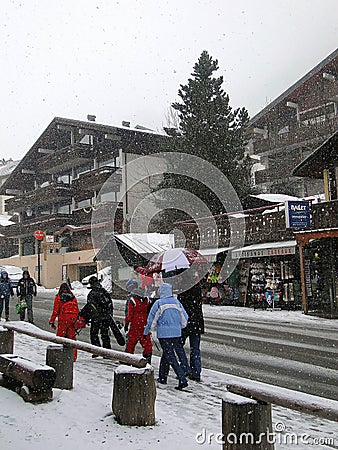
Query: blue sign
point(297, 214)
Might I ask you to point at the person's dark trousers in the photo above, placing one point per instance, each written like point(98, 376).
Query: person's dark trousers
point(29, 302)
point(102, 327)
point(195, 355)
point(6, 301)
point(169, 347)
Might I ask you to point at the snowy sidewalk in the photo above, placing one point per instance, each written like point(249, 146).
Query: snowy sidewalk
point(82, 418)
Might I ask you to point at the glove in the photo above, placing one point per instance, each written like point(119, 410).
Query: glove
point(79, 323)
point(52, 325)
point(126, 327)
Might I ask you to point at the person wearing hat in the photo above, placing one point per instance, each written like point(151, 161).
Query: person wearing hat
point(137, 309)
point(26, 289)
point(99, 311)
point(6, 290)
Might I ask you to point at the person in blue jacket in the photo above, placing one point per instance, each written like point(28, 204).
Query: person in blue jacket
point(168, 317)
point(6, 290)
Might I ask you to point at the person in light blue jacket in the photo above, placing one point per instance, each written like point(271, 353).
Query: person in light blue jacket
point(168, 317)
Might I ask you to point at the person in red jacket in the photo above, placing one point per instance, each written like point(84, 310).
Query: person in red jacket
point(66, 310)
point(137, 309)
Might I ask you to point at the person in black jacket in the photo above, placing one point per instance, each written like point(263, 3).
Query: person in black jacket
point(26, 289)
point(99, 311)
point(191, 300)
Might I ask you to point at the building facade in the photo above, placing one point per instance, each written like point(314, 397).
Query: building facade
point(286, 131)
point(72, 181)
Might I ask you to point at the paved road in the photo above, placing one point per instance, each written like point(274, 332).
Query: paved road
point(292, 355)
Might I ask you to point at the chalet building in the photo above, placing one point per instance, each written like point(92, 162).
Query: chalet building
point(7, 246)
point(286, 131)
point(57, 188)
point(280, 264)
point(318, 246)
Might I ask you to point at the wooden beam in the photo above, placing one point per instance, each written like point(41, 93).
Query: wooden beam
point(84, 131)
point(299, 401)
point(32, 330)
point(46, 151)
point(112, 137)
point(13, 192)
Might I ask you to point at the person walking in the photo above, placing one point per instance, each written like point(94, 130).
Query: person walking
point(191, 300)
point(137, 309)
point(66, 311)
point(6, 290)
point(26, 289)
point(168, 316)
point(99, 311)
point(233, 283)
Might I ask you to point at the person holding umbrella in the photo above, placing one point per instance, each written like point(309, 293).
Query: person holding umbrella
point(191, 300)
point(168, 316)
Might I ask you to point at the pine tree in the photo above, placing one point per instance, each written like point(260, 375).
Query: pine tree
point(210, 129)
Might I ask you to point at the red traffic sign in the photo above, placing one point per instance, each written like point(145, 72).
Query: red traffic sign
point(39, 235)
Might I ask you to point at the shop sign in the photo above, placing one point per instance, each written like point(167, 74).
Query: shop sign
point(259, 253)
point(297, 214)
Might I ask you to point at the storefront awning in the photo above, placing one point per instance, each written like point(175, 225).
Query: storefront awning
point(303, 237)
point(211, 253)
point(265, 249)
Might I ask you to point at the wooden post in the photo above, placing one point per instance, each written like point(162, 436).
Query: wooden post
point(6, 341)
point(246, 423)
point(134, 395)
point(61, 359)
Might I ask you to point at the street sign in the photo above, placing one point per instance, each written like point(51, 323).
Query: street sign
point(39, 235)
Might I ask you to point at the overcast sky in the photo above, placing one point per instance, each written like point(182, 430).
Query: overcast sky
point(125, 60)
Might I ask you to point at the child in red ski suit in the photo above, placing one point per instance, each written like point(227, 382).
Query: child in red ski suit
point(66, 311)
point(137, 309)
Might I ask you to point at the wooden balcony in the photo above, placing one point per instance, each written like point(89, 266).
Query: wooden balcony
point(95, 179)
point(49, 224)
point(298, 134)
point(268, 227)
point(66, 158)
point(52, 194)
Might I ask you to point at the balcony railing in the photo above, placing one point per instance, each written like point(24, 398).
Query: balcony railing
point(66, 158)
point(268, 227)
point(49, 224)
point(297, 135)
point(95, 179)
point(51, 194)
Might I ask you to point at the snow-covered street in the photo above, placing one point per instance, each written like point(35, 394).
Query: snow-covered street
point(191, 419)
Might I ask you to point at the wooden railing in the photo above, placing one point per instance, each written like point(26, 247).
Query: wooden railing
point(259, 227)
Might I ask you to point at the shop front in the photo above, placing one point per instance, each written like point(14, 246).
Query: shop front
point(319, 270)
point(269, 275)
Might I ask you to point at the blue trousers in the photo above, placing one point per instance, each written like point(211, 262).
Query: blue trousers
point(172, 347)
point(195, 354)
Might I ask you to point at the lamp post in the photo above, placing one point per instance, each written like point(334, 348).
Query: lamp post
point(39, 236)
